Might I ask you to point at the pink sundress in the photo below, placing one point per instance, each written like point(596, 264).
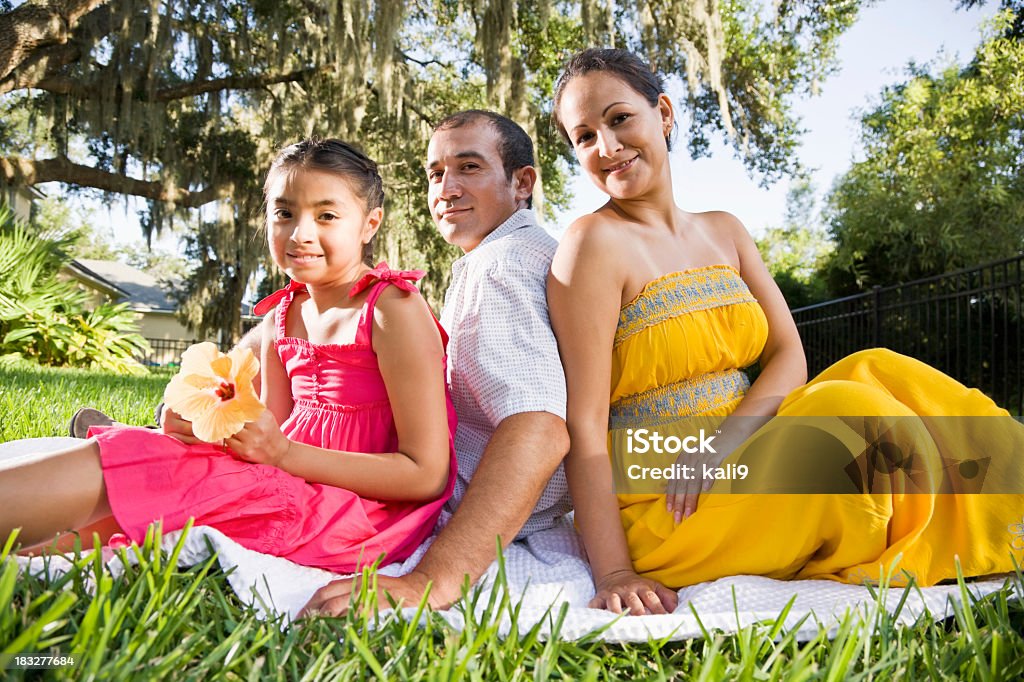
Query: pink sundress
point(340, 403)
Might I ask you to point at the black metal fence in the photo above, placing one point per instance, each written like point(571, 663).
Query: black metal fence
point(165, 352)
point(966, 323)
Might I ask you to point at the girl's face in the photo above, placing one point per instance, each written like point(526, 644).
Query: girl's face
point(316, 226)
point(619, 138)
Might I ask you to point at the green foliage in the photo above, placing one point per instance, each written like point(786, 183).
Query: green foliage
point(52, 215)
point(158, 621)
point(48, 320)
point(942, 183)
point(37, 401)
point(796, 251)
point(184, 102)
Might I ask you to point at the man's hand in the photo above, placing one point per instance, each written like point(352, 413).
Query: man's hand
point(335, 598)
point(173, 424)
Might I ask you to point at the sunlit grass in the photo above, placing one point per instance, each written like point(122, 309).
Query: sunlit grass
point(39, 402)
point(158, 621)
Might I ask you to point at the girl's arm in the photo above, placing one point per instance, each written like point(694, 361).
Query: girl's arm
point(783, 365)
point(584, 290)
point(411, 362)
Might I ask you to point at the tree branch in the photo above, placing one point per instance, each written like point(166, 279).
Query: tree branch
point(64, 85)
point(401, 53)
point(31, 27)
point(236, 83)
point(41, 68)
point(18, 170)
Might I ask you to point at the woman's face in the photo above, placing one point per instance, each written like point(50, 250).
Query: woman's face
point(619, 138)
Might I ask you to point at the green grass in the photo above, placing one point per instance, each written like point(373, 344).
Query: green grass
point(157, 621)
point(39, 402)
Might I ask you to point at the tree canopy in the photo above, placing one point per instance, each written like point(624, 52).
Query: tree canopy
point(942, 182)
point(795, 251)
point(183, 102)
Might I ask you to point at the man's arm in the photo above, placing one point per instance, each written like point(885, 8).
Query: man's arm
point(519, 460)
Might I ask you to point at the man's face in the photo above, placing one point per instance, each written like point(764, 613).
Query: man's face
point(469, 193)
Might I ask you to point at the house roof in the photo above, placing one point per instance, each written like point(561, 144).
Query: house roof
point(138, 288)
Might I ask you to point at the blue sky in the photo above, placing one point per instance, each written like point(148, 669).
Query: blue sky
point(872, 54)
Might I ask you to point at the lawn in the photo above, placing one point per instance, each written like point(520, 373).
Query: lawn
point(160, 622)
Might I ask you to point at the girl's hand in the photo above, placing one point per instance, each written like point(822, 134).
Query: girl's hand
point(260, 442)
point(173, 424)
point(626, 589)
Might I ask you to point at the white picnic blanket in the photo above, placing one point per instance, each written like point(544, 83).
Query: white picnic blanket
point(547, 570)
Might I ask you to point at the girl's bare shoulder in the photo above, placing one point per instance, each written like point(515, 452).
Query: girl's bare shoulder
point(403, 311)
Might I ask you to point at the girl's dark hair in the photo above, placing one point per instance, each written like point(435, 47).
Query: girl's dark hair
point(629, 68)
point(339, 157)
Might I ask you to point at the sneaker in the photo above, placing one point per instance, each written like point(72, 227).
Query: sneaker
point(84, 419)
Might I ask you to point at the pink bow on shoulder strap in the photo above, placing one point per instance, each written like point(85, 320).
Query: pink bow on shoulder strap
point(403, 279)
point(268, 303)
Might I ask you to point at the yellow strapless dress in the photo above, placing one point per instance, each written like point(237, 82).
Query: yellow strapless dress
point(678, 350)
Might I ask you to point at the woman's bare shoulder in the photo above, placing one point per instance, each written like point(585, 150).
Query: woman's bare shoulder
point(722, 222)
point(593, 249)
point(597, 234)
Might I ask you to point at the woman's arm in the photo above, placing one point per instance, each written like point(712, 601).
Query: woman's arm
point(410, 358)
point(783, 364)
point(584, 290)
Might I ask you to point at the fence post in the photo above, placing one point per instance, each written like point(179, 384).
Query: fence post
point(876, 301)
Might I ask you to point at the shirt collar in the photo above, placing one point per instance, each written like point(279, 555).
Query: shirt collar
point(524, 217)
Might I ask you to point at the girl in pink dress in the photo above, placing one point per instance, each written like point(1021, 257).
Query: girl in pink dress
point(352, 457)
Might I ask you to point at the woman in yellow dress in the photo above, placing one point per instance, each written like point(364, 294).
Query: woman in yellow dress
point(657, 311)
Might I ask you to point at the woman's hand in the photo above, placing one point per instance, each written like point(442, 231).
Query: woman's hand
point(261, 441)
point(626, 589)
point(682, 494)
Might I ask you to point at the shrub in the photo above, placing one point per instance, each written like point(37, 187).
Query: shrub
point(48, 320)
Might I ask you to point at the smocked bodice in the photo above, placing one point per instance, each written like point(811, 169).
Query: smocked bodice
point(681, 343)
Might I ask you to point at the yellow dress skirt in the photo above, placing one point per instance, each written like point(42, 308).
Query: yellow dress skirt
point(677, 353)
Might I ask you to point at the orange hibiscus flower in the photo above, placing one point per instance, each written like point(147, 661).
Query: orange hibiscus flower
point(214, 391)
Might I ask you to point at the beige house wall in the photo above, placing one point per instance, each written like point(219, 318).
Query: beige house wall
point(162, 326)
point(96, 297)
point(20, 201)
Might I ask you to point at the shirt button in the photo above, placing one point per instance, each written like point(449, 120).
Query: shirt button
point(314, 377)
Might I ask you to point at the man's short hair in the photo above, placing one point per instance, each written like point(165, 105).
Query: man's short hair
point(515, 148)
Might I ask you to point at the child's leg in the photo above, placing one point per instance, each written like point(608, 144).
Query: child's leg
point(62, 492)
point(65, 543)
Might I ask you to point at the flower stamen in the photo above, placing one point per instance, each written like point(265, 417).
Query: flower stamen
point(226, 391)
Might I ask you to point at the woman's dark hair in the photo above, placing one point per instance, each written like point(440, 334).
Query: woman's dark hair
point(339, 157)
point(623, 64)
